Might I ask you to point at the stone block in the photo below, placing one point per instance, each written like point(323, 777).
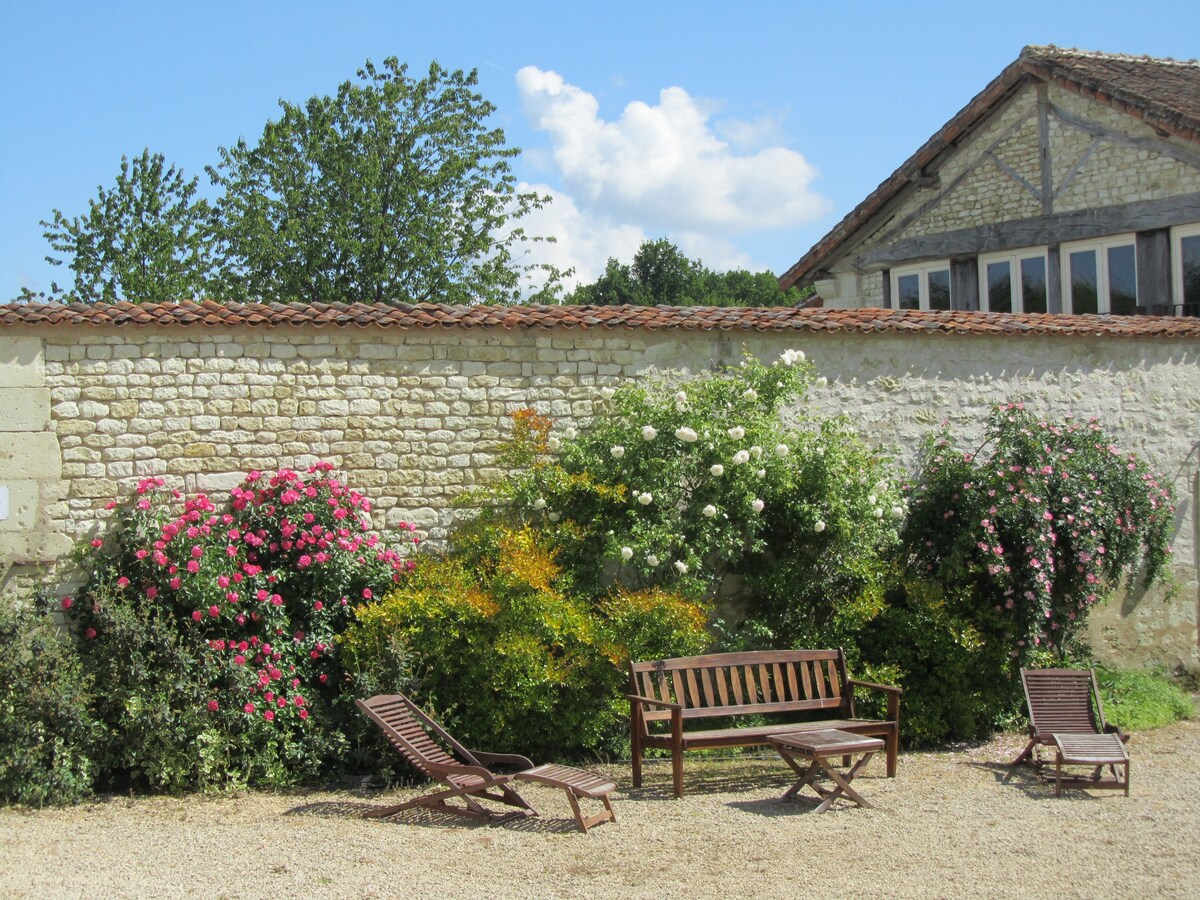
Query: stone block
point(33, 547)
point(24, 408)
point(32, 456)
point(20, 505)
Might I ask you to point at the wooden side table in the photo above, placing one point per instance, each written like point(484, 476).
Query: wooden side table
point(813, 747)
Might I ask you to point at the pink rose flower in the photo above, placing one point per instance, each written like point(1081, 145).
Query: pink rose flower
point(213, 706)
point(90, 634)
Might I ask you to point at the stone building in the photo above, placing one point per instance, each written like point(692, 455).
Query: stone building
point(1070, 184)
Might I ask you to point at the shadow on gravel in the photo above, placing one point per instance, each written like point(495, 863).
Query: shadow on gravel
point(427, 818)
point(1031, 782)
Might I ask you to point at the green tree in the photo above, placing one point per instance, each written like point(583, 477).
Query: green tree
point(660, 274)
point(394, 190)
point(146, 239)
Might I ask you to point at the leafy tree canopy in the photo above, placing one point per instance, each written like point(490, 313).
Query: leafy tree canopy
point(393, 190)
point(661, 275)
point(146, 238)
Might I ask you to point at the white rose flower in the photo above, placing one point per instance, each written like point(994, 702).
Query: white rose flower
point(819, 527)
point(897, 512)
point(822, 382)
point(717, 470)
point(820, 451)
point(626, 553)
point(617, 452)
point(553, 442)
point(710, 510)
point(649, 433)
point(737, 432)
point(871, 499)
point(539, 503)
point(681, 566)
point(791, 357)
point(645, 498)
point(553, 517)
point(761, 473)
point(879, 512)
point(757, 505)
point(782, 450)
point(651, 560)
point(686, 434)
point(750, 394)
point(756, 452)
point(571, 433)
point(607, 393)
point(681, 399)
point(740, 457)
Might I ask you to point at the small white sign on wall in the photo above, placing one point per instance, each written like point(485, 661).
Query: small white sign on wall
point(3, 502)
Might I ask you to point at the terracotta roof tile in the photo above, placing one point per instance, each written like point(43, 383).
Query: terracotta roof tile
point(1165, 93)
point(685, 318)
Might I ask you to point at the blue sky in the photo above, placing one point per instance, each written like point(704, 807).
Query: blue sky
point(743, 132)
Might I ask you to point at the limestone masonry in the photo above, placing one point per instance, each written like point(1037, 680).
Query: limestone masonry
point(413, 416)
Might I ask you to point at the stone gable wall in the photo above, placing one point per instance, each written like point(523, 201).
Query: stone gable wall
point(413, 417)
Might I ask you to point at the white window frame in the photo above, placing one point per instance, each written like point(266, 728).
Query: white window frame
point(1014, 258)
point(922, 272)
point(1178, 233)
point(1101, 247)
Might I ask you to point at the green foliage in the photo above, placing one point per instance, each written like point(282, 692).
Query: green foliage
point(147, 239)
point(392, 191)
point(661, 275)
point(1030, 530)
point(213, 632)
point(507, 657)
point(1136, 699)
point(48, 737)
point(681, 483)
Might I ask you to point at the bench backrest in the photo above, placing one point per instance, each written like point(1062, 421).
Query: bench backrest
point(760, 681)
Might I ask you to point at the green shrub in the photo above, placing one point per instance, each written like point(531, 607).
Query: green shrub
point(1136, 699)
point(679, 483)
point(212, 632)
point(1004, 552)
point(506, 657)
point(47, 733)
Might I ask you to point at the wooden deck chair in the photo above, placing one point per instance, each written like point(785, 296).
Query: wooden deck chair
point(465, 772)
point(1065, 712)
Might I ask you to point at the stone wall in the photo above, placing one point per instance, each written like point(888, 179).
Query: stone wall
point(413, 416)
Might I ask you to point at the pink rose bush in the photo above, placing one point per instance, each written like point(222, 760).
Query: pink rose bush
point(241, 605)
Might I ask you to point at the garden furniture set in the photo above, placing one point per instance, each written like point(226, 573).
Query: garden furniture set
point(1064, 709)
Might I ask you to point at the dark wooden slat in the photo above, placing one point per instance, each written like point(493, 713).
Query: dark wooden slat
point(677, 684)
point(722, 675)
point(791, 679)
point(693, 691)
point(735, 680)
point(802, 665)
point(764, 683)
point(751, 657)
point(706, 687)
point(819, 679)
point(835, 683)
point(751, 685)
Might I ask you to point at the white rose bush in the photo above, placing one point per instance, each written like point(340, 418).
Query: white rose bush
point(659, 490)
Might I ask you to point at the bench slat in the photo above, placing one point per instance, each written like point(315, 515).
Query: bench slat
point(791, 675)
point(706, 685)
point(735, 679)
point(835, 683)
point(693, 691)
point(764, 682)
point(722, 691)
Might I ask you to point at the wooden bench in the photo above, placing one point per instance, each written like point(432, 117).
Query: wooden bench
point(810, 685)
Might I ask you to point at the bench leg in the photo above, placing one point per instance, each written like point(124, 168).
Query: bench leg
point(892, 740)
point(586, 822)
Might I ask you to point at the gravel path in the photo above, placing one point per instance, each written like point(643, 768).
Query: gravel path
point(954, 823)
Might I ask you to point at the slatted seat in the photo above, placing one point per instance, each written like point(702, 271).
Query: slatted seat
point(1065, 712)
point(433, 752)
point(668, 693)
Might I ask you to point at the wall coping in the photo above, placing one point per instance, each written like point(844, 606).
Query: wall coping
point(210, 314)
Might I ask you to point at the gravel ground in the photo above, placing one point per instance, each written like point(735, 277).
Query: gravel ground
point(954, 823)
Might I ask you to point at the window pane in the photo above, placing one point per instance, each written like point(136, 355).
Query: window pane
point(1190, 250)
point(999, 287)
point(1122, 281)
point(1083, 282)
point(1033, 284)
point(939, 289)
point(908, 292)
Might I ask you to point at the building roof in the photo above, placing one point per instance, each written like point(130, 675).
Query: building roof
point(210, 314)
point(1163, 93)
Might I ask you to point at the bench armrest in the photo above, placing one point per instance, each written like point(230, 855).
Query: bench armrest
point(665, 704)
point(891, 689)
point(503, 759)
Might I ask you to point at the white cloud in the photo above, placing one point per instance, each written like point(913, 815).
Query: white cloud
point(663, 167)
point(584, 241)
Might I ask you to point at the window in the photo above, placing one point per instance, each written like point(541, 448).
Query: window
point(1185, 255)
point(922, 287)
point(1013, 282)
point(1100, 276)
